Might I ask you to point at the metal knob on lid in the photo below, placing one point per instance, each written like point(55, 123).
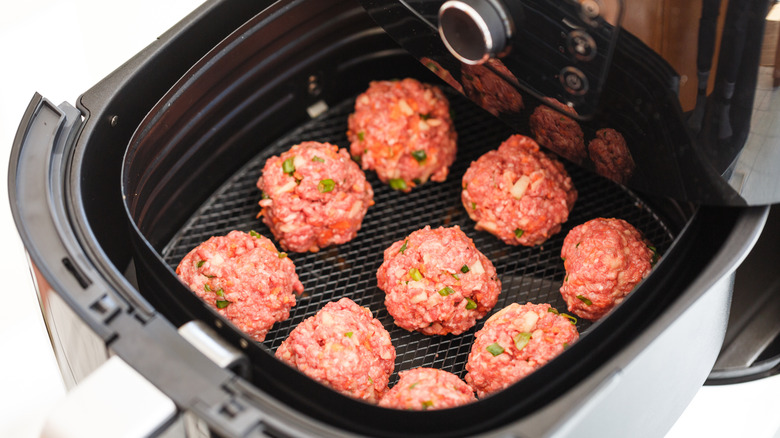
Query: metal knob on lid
point(474, 30)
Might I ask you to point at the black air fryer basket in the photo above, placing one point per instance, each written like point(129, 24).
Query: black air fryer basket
point(191, 169)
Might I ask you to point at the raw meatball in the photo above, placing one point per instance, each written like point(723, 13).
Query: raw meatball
point(245, 278)
point(421, 389)
point(611, 156)
point(557, 132)
point(314, 195)
point(344, 347)
point(437, 282)
point(604, 260)
point(515, 341)
point(518, 193)
point(403, 131)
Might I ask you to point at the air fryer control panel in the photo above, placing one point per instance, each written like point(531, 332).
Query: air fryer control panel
point(514, 57)
point(559, 49)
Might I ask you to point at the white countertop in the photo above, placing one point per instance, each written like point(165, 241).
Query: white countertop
point(60, 48)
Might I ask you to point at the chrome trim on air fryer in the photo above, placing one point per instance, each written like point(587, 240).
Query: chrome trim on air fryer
point(474, 31)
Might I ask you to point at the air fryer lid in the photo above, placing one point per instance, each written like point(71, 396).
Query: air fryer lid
point(509, 55)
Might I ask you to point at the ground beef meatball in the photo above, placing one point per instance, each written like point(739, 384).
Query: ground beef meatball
point(420, 389)
point(403, 131)
point(314, 195)
point(518, 193)
point(245, 278)
point(344, 347)
point(604, 261)
point(437, 282)
point(557, 132)
point(515, 341)
point(611, 156)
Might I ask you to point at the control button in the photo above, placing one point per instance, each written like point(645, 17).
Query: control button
point(474, 30)
point(581, 45)
point(590, 8)
point(574, 81)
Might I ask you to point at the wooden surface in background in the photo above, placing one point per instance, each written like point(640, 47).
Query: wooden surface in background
point(671, 28)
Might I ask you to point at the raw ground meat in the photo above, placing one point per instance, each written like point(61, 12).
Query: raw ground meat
point(518, 193)
point(403, 130)
point(344, 347)
point(514, 342)
point(437, 282)
point(422, 389)
point(604, 260)
point(245, 278)
point(314, 196)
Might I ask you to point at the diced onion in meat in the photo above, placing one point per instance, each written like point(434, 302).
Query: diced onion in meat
point(527, 322)
point(326, 318)
point(521, 185)
point(405, 108)
point(488, 226)
point(356, 209)
point(419, 298)
point(289, 187)
point(477, 267)
point(288, 227)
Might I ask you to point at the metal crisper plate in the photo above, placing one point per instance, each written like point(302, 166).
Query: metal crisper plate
point(349, 270)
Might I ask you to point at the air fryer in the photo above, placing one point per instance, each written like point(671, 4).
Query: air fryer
point(165, 152)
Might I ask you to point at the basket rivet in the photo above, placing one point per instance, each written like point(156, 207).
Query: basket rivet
point(113, 121)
